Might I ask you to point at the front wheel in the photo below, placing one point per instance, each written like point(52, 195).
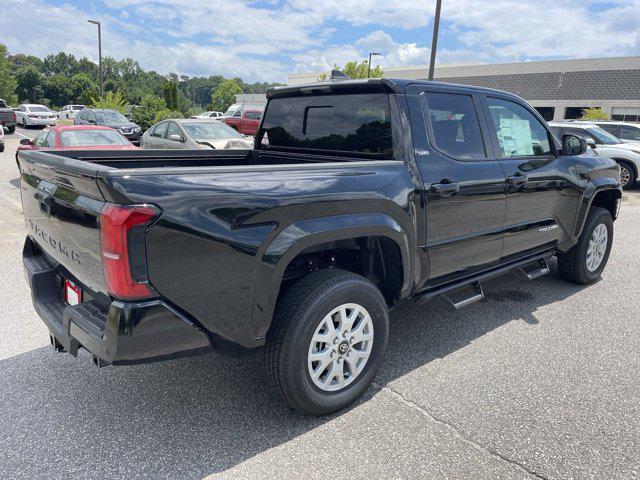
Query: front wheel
point(584, 263)
point(627, 175)
point(327, 341)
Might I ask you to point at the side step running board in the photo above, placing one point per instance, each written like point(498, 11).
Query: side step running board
point(465, 296)
point(535, 270)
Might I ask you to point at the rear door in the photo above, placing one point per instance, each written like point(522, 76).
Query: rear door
point(463, 184)
point(541, 186)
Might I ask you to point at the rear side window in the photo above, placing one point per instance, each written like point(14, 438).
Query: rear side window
point(519, 132)
point(454, 123)
point(350, 124)
point(630, 133)
point(158, 130)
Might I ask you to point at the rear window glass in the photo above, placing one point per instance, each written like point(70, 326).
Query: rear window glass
point(86, 138)
point(354, 124)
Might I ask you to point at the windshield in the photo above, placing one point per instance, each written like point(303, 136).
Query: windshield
point(77, 107)
point(603, 136)
point(39, 109)
point(210, 130)
point(232, 109)
point(85, 138)
point(110, 117)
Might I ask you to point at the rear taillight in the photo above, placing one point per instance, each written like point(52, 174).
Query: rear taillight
point(122, 229)
point(15, 117)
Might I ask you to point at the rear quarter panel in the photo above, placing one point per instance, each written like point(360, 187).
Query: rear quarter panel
point(207, 253)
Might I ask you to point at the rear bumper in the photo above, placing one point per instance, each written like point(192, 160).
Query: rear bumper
point(41, 121)
point(122, 332)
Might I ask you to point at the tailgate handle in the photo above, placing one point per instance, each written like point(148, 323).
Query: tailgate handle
point(44, 198)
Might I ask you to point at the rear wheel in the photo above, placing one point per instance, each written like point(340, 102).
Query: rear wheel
point(24, 122)
point(327, 341)
point(11, 129)
point(584, 263)
point(627, 175)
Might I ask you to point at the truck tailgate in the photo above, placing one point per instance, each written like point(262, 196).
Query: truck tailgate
point(61, 210)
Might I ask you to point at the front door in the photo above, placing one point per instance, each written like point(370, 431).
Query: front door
point(542, 194)
point(463, 184)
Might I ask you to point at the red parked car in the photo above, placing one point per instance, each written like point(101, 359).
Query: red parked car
point(244, 120)
point(77, 137)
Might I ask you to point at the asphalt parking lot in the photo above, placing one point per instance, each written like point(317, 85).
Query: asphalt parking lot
point(541, 380)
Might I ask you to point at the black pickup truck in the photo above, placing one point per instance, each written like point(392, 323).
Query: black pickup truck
point(357, 194)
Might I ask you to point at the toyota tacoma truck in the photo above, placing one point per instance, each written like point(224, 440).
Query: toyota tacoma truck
point(357, 194)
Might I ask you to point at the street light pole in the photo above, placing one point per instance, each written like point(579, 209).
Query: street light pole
point(369, 66)
point(434, 41)
point(99, 54)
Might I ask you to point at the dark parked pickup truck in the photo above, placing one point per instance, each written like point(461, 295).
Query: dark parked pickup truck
point(7, 116)
point(358, 194)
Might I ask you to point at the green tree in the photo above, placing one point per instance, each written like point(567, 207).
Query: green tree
point(170, 93)
point(8, 83)
point(60, 64)
point(145, 114)
point(83, 89)
point(225, 95)
point(594, 114)
point(356, 70)
point(57, 89)
point(111, 101)
point(166, 113)
point(29, 81)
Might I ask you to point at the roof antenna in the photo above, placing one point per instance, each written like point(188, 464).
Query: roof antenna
point(337, 76)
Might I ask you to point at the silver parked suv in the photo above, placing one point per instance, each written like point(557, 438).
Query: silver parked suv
point(625, 131)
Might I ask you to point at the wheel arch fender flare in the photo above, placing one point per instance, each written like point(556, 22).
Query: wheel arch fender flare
point(298, 236)
point(594, 188)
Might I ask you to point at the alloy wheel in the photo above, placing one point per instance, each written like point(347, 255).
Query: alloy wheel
point(597, 247)
point(340, 347)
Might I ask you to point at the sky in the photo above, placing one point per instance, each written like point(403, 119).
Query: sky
point(265, 40)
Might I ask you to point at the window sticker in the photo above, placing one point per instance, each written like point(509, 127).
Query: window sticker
point(515, 137)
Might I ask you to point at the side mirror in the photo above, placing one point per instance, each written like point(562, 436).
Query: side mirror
point(175, 138)
point(591, 142)
point(25, 141)
point(573, 145)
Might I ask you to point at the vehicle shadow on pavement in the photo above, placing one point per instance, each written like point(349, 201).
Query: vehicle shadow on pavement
point(192, 417)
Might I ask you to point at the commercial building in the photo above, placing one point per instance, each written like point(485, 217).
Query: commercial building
point(558, 89)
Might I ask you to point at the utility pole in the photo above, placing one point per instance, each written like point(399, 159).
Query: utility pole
point(434, 41)
point(95, 22)
point(369, 66)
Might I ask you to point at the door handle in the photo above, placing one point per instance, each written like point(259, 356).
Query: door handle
point(445, 189)
point(517, 180)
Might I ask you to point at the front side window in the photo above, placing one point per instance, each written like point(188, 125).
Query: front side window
point(40, 140)
point(454, 124)
point(519, 132)
point(351, 124)
point(630, 133)
point(173, 129)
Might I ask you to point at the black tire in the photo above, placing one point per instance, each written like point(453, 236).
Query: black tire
point(572, 265)
point(631, 174)
point(298, 315)
point(1, 148)
point(11, 129)
point(24, 124)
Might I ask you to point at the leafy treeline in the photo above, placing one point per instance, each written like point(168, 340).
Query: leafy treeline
point(61, 79)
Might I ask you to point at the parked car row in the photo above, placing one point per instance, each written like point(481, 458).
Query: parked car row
point(625, 153)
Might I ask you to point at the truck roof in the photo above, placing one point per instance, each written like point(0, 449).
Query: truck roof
point(392, 85)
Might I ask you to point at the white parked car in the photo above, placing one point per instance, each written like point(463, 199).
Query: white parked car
point(208, 115)
point(68, 112)
point(29, 114)
point(625, 154)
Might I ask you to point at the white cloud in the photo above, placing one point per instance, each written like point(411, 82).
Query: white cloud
point(264, 41)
